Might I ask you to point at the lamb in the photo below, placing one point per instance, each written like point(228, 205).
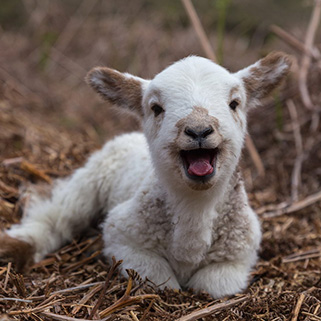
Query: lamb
point(174, 199)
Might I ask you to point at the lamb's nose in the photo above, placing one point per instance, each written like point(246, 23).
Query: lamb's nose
point(199, 134)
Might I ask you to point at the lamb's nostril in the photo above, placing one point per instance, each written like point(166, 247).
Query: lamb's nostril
point(190, 132)
point(199, 134)
point(206, 132)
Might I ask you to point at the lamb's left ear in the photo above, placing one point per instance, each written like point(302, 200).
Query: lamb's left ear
point(121, 89)
point(265, 75)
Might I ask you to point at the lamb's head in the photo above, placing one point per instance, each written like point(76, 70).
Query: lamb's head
point(194, 113)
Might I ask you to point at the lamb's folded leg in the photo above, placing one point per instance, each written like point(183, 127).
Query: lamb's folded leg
point(126, 238)
point(146, 263)
point(51, 222)
point(220, 279)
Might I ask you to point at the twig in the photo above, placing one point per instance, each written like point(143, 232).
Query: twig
point(296, 173)
point(19, 85)
point(126, 300)
point(306, 59)
point(133, 315)
point(7, 275)
point(208, 49)
point(298, 307)
point(255, 156)
point(12, 161)
point(36, 309)
point(295, 43)
point(72, 289)
point(72, 27)
point(212, 309)
point(64, 318)
point(68, 63)
point(311, 254)
point(86, 297)
point(76, 265)
point(15, 299)
point(312, 316)
point(8, 189)
point(199, 29)
point(287, 209)
point(30, 168)
point(147, 310)
point(102, 293)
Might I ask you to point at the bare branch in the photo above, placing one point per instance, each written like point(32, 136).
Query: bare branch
point(295, 43)
point(199, 29)
point(287, 209)
point(298, 307)
point(212, 309)
point(306, 59)
point(296, 173)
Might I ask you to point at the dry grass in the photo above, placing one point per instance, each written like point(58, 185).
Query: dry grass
point(50, 122)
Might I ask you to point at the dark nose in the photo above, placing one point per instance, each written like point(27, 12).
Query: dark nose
point(199, 134)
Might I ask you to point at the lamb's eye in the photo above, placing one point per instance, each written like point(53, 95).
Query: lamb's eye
point(234, 104)
point(157, 109)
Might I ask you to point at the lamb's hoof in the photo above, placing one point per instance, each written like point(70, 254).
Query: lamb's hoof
point(18, 252)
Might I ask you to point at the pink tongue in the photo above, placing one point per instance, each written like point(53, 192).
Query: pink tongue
point(199, 165)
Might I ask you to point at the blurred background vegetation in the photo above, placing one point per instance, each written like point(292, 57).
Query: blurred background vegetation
point(47, 46)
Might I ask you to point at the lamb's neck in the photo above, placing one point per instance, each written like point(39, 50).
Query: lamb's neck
point(193, 215)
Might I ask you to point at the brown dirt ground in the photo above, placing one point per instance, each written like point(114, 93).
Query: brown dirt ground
point(50, 122)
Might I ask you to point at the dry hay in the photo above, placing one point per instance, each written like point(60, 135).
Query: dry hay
point(75, 282)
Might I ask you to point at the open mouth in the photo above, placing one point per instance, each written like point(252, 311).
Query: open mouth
point(199, 164)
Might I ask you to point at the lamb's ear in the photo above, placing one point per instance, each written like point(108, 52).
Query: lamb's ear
point(265, 75)
point(121, 89)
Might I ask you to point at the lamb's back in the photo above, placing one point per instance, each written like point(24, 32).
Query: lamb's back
point(123, 163)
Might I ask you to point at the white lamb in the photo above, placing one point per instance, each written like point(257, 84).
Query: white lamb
point(175, 204)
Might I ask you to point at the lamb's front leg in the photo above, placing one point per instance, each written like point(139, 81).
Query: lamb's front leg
point(130, 236)
point(145, 262)
point(221, 279)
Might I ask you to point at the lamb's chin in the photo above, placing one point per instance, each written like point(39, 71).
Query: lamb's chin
point(199, 183)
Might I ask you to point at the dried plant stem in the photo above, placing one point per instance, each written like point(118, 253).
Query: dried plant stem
point(75, 22)
point(310, 254)
point(15, 299)
point(7, 275)
point(296, 173)
point(212, 309)
point(36, 309)
point(19, 85)
point(114, 267)
point(295, 43)
point(86, 298)
point(133, 315)
point(298, 307)
point(287, 209)
point(199, 29)
point(255, 156)
point(306, 59)
point(126, 300)
point(69, 64)
point(30, 168)
point(64, 318)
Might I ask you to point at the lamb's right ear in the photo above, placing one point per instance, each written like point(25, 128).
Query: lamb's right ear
point(261, 78)
point(121, 89)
